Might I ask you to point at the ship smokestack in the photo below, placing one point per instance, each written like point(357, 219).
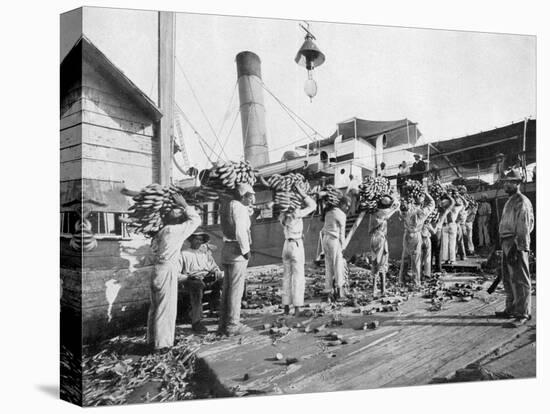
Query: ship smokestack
point(249, 75)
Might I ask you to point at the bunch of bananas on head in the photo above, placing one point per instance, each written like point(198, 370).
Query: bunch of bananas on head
point(370, 192)
point(225, 175)
point(285, 195)
point(150, 207)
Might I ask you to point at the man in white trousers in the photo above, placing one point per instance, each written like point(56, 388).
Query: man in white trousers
point(180, 223)
point(334, 239)
point(449, 232)
point(294, 281)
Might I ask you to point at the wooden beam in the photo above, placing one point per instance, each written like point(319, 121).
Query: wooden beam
point(166, 61)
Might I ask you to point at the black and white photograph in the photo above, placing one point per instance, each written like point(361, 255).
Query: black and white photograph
point(254, 206)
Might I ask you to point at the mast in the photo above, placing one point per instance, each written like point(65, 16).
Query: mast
point(166, 61)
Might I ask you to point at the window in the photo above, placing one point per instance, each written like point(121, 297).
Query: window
point(104, 225)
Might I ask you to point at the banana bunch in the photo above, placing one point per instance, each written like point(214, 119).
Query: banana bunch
point(370, 192)
point(333, 195)
point(433, 216)
point(436, 190)
point(284, 193)
point(226, 175)
point(413, 189)
point(150, 207)
point(83, 239)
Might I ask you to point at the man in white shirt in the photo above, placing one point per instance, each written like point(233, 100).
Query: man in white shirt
point(235, 223)
point(293, 254)
point(180, 223)
point(334, 239)
point(198, 265)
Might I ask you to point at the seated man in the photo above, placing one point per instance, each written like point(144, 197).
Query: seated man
point(199, 266)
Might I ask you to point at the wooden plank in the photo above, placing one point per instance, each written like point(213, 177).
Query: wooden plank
point(70, 121)
point(118, 124)
point(97, 135)
point(97, 153)
point(132, 176)
point(116, 110)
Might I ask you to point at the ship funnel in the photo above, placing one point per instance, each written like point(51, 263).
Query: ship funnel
point(252, 108)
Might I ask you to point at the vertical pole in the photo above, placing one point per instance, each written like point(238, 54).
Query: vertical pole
point(166, 61)
point(249, 76)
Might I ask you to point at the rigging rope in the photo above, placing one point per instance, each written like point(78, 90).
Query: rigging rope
point(198, 102)
point(201, 139)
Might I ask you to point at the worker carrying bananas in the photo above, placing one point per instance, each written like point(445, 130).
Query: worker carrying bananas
point(235, 223)
point(483, 218)
point(444, 206)
point(179, 224)
point(515, 227)
point(469, 227)
point(379, 252)
point(449, 231)
point(333, 242)
point(293, 253)
point(199, 267)
point(414, 214)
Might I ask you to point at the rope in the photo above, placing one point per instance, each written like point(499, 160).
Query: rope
point(198, 103)
point(201, 139)
point(290, 111)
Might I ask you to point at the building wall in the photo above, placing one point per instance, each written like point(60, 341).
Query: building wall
point(105, 136)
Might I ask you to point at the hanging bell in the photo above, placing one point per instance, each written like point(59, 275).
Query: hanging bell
point(309, 55)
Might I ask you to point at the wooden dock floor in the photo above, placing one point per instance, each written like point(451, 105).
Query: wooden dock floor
point(412, 346)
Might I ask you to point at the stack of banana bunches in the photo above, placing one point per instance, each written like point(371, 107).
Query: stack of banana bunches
point(370, 191)
point(284, 192)
point(224, 176)
point(333, 195)
point(83, 238)
point(149, 208)
point(413, 189)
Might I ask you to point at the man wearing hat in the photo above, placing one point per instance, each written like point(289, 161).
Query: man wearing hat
point(235, 223)
point(483, 218)
point(198, 265)
point(516, 224)
point(418, 168)
point(378, 243)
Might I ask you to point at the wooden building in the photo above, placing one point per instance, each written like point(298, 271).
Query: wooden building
point(109, 140)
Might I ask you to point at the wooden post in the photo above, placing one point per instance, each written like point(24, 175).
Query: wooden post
point(166, 61)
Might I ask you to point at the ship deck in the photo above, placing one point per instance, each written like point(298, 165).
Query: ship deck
point(413, 346)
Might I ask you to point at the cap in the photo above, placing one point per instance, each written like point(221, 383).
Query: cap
point(385, 201)
point(205, 238)
point(513, 175)
point(244, 188)
point(416, 155)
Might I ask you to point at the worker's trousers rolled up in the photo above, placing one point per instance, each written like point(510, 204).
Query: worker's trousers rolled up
point(161, 321)
point(195, 288)
point(426, 256)
point(232, 294)
point(483, 231)
point(448, 243)
point(469, 226)
point(412, 252)
point(294, 281)
point(334, 263)
point(516, 279)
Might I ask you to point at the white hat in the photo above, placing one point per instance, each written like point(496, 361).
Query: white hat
point(244, 188)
